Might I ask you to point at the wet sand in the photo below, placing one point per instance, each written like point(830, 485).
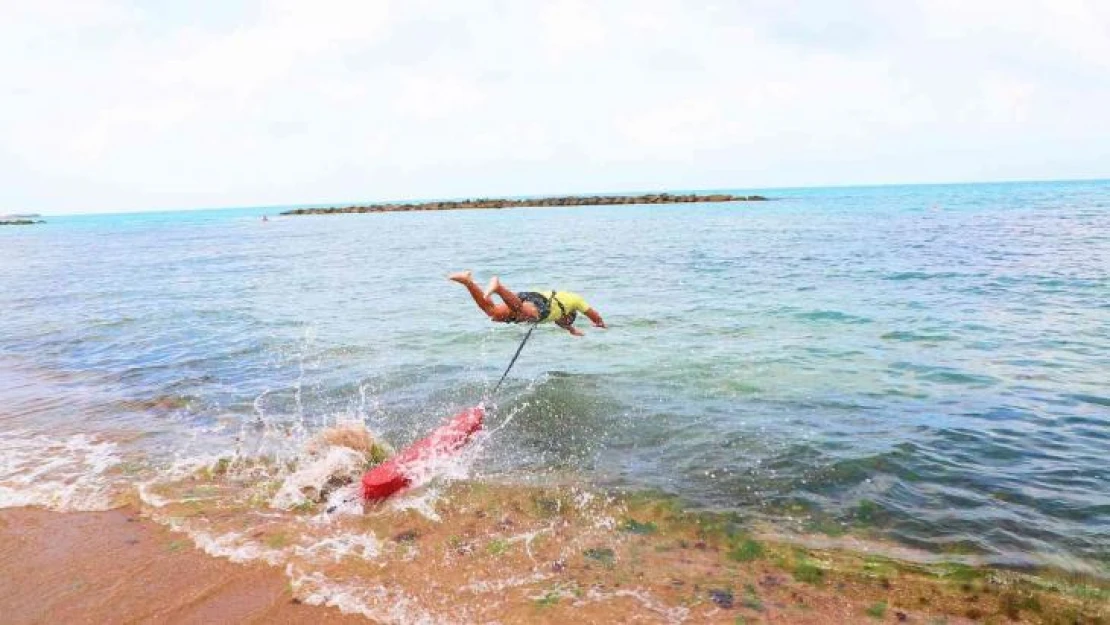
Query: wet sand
point(114, 567)
point(508, 555)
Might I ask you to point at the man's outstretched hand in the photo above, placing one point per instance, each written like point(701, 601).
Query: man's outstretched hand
point(595, 318)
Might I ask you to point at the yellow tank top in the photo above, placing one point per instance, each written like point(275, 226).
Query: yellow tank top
point(563, 304)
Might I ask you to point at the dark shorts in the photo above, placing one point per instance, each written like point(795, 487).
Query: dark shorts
point(538, 300)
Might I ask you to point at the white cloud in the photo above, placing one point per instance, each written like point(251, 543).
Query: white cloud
point(110, 107)
point(572, 30)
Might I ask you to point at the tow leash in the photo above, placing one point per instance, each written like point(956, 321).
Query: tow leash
point(552, 300)
point(515, 356)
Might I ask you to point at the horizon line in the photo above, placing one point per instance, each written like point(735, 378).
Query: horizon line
point(343, 203)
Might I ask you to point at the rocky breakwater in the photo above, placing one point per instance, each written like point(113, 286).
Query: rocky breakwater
point(585, 200)
point(20, 222)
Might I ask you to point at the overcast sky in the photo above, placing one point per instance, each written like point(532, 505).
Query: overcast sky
point(127, 105)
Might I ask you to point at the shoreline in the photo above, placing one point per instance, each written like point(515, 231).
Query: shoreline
point(497, 203)
point(490, 552)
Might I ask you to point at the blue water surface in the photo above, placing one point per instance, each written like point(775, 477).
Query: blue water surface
point(928, 361)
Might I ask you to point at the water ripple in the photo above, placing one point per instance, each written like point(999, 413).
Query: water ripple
point(935, 375)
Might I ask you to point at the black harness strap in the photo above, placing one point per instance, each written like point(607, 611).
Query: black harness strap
point(565, 316)
point(562, 309)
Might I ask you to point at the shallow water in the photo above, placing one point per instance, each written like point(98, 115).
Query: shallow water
point(928, 361)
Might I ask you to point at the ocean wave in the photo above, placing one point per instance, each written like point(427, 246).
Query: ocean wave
point(62, 473)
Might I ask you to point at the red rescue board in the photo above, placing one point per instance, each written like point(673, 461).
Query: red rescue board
point(394, 474)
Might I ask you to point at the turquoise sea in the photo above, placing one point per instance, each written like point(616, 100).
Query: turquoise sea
point(931, 363)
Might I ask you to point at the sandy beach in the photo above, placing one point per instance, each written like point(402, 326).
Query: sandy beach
point(114, 567)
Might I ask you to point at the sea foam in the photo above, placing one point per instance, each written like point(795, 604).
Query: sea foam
point(57, 473)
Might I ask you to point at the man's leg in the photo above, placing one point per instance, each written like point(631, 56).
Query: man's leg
point(511, 300)
point(481, 299)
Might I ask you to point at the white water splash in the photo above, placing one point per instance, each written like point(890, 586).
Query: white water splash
point(176, 470)
point(63, 474)
point(528, 537)
point(497, 586)
point(309, 547)
point(149, 498)
point(343, 501)
point(372, 601)
point(365, 546)
point(311, 479)
point(235, 547)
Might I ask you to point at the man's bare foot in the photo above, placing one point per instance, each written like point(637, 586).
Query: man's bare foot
point(494, 284)
point(462, 277)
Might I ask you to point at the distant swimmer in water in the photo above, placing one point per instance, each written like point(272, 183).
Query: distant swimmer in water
point(558, 307)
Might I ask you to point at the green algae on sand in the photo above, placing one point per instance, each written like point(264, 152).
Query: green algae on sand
point(569, 553)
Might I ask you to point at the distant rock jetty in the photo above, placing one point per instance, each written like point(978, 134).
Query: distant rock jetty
point(590, 200)
point(20, 222)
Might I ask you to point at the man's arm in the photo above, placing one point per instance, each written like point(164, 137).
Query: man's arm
point(595, 318)
point(569, 327)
